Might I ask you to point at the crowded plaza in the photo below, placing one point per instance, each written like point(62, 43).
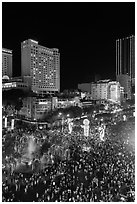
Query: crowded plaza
point(89, 159)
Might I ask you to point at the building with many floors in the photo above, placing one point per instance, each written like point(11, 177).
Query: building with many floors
point(125, 64)
point(102, 90)
point(6, 62)
point(42, 65)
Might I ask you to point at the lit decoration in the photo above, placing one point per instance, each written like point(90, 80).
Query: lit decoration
point(70, 125)
point(12, 124)
point(86, 127)
point(102, 132)
point(86, 148)
point(40, 127)
point(124, 117)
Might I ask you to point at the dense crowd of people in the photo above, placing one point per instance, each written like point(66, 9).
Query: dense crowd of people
point(70, 167)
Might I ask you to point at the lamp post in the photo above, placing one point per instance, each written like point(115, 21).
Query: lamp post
point(59, 115)
point(62, 123)
point(70, 125)
point(5, 122)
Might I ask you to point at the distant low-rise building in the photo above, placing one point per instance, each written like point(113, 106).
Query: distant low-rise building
point(114, 91)
point(14, 85)
point(125, 81)
point(35, 108)
point(99, 90)
point(102, 90)
point(85, 87)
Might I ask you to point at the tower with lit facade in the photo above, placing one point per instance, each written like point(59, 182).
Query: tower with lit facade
point(125, 63)
point(42, 65)
point(6, 62)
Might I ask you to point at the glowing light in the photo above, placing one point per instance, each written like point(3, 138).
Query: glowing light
point(60, 114)
point(34, 41)
point(7, 51)
point(43, 103)
point(31, 147)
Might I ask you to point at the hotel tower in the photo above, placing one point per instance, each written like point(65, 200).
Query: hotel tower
point(6, 62)
point(42, 65)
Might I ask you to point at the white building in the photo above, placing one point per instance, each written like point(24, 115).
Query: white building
point(114, 91)
point(42, 64)
point(103, 90)
point(15, 85)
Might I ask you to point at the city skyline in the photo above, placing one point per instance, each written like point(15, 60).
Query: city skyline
point(81, 31)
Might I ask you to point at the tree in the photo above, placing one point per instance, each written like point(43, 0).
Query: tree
point(102, 107)
point(19, 104)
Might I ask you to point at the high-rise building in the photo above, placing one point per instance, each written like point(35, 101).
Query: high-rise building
point(125, 56)
point(42, 64)
point(6, 62)
point(125, 59)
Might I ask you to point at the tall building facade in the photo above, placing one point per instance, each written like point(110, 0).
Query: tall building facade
point(125, 60)
point(125, 56)
point(42, 64)
point(6, 62)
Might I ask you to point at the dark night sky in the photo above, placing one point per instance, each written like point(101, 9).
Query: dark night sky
point(85, 34)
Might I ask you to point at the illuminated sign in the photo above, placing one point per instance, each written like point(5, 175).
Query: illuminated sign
point(34, 41)
point(8, 84)
point(43, 103)
point(7, 51)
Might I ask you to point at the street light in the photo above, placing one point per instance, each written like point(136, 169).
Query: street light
point(62, 120)
point(60, 113)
